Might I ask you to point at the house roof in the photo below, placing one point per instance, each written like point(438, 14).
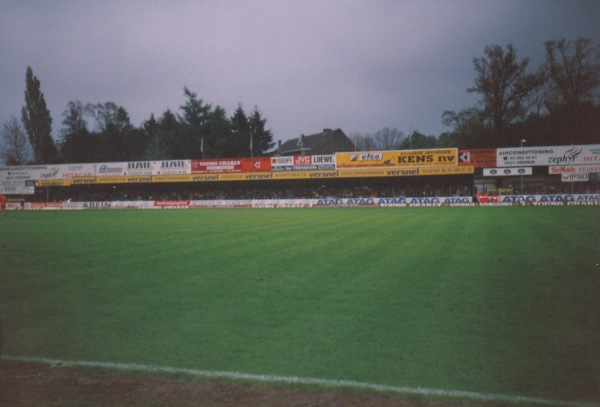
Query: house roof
point(327, 142)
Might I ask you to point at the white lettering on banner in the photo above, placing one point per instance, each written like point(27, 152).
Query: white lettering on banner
point(282, 161)
point(323, 159)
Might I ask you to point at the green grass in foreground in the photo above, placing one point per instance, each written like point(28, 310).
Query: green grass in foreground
point(491, 300)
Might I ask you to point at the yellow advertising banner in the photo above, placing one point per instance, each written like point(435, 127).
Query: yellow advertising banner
point(205, 177)
point(132, 179)
point(465, 169)
point(401, 158)
point(424, 171)
point(86, 180)
point(172, 178)
point(362, 172)
point(291, 175)
point(231, 177)
point(54, 182)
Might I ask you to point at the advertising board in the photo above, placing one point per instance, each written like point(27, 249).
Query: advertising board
point(171, 167)
point(507, 172)
point(303, 163)
point(225, 165)
point(573, 169)
point(20, 187)
point(402, 158)
point(47, 172)
point(548, 156)
point(428, 171)
point(124, 179)
point(172, 178)
point(129, 168)
point(478, 158)
point(576, 177)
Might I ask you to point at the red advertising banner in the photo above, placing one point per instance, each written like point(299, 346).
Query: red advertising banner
point(225, 165)
point(478, 158)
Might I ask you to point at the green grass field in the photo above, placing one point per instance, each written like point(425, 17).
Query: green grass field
point(489, 300)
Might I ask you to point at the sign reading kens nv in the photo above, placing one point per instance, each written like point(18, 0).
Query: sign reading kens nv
point(401, 158)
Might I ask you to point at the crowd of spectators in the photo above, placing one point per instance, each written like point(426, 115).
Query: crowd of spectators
point(312, 189)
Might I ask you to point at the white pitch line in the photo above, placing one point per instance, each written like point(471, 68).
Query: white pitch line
point(419, 391)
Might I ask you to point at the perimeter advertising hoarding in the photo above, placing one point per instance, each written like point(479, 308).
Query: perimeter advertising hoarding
point(549, 155)
point(577, 177)
point(171, 167)
point(121, 169)
point(428, 171)
point(403, 158)
point(172, 178)
point(53, 182)
point(47, 172)
point(133, 179)
point(573, 169)
point(478, 158)
point(26, 187)
point(507, 172)
point(228, 165)
point(303, 163)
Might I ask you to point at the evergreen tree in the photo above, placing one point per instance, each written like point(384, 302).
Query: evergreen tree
point(77, 144)
point(219, 133)
point(37, 121)
point(194, 126)
point(238, 144)
point(261, 139)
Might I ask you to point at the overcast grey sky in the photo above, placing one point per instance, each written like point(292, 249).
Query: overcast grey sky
point(307, 64)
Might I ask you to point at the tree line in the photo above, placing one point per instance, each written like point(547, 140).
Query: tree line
point(556, 104)
point(102, 132)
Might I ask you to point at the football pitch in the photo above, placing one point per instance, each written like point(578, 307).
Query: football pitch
point(498, 301)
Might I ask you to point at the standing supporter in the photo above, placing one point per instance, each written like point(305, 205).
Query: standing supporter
point(3, 200)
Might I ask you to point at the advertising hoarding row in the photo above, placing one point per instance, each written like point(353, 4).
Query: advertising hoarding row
point(385, 202)
point(564, 160)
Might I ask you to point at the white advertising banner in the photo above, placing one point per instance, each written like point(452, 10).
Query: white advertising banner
point(506, 172)
point(121, 169)
point(47, 172)
point(169, 167)
point(17, 187)
point(573, 169)
point(303, 163)
point(576, 177)
point(548, 155)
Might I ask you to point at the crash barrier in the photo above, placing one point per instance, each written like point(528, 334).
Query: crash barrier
point(400, 202)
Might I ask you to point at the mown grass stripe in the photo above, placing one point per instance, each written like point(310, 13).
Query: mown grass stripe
point(292, 380)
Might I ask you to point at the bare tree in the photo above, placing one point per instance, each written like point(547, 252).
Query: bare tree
point(504, 84)
point(574, 71)
point(14, 145)
point(384, 139)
